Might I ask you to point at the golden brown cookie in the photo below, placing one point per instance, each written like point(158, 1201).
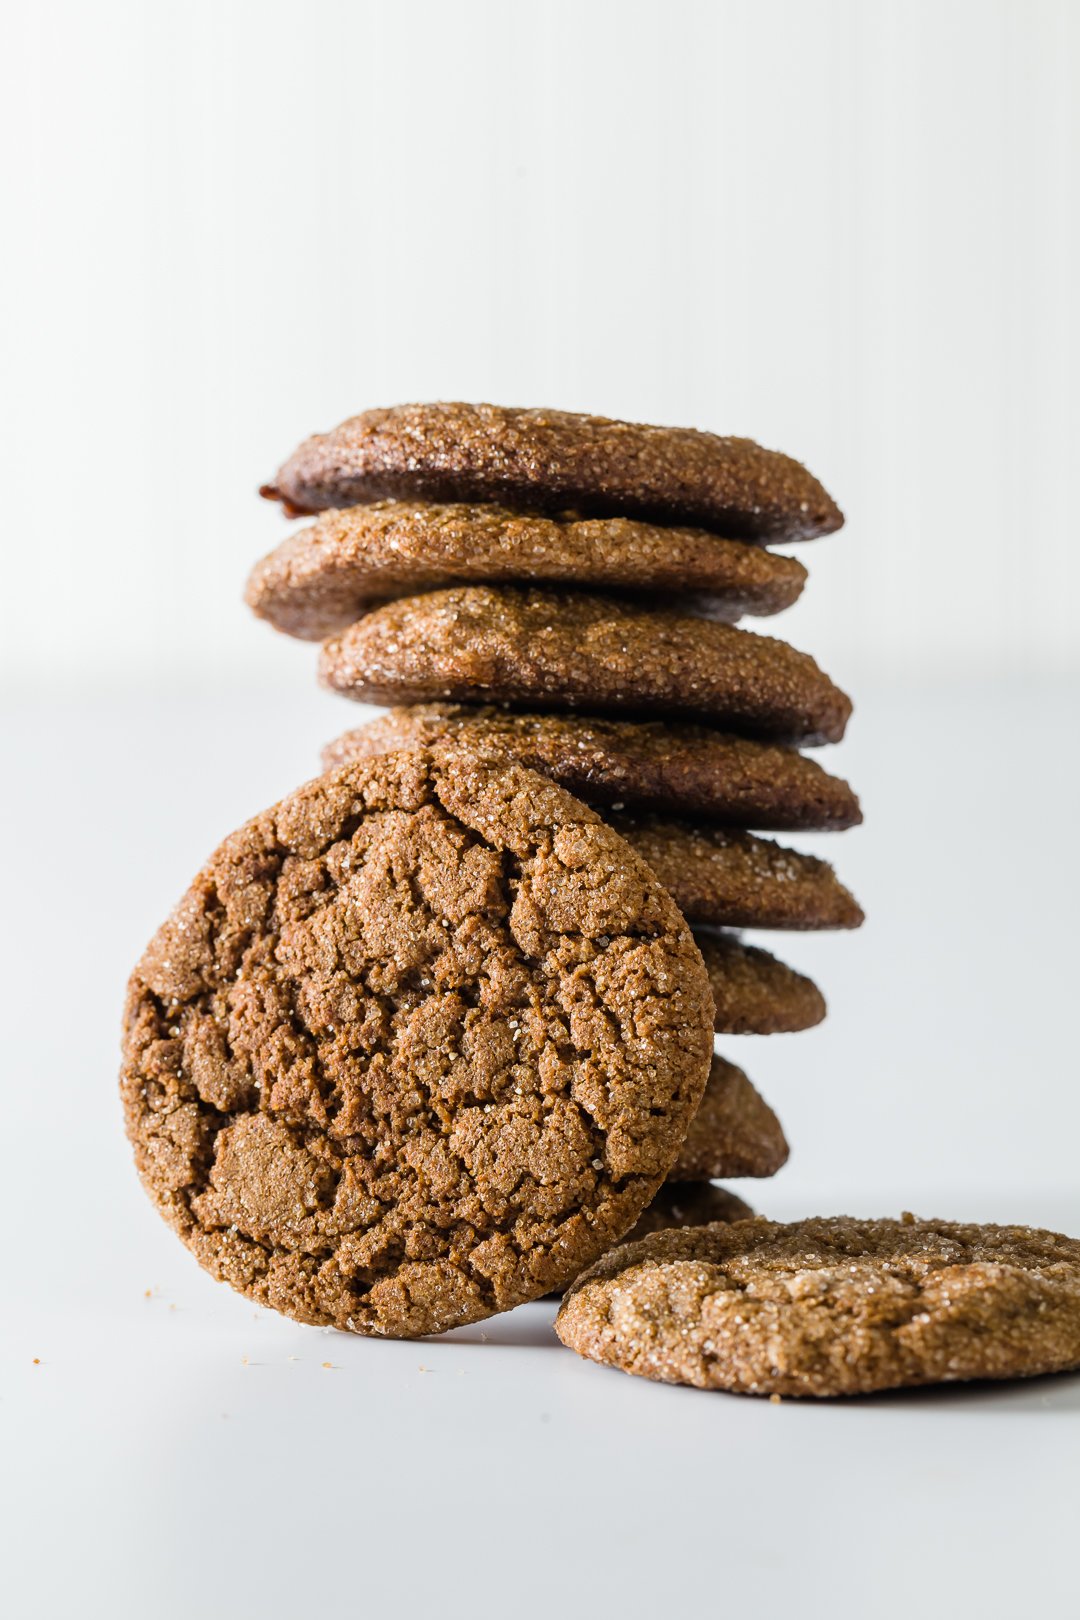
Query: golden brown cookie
point(573, 650)
point(733, 1133)
point(831, 1307)
point(733, 879)
point(664, 765)
point(318, 581)
point(755, 994)
point(554, 461)
point(416, 1045)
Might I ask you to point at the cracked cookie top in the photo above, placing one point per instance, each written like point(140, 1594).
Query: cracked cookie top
point(417, 1045)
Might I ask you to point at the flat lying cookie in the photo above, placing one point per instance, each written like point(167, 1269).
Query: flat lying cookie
point(416, 1045)
point(689, 1203)
point(318, 581)
point(735, 880)
point(755, 994)
point(664, 765)
point(553, 461)
point(571, 649)
point(831, 1307)
point(733, 1133)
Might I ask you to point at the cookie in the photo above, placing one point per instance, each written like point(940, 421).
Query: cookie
point(733, 1133)
point(689, 1203)
point(318, 581)
point(831, 1307)
point(737, 880)
point(554, 461)
point(641, 764)
point(417, 1044)
point(755, 994)
point(570, 649)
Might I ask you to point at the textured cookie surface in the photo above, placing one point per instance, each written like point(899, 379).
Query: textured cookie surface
point(643, 764)
point(320, 580)
point(831, 1306)
point(733, 1133)
point(417, 1044)
point(574, 650)
point(737, 880)
point(755, 994)
point(557, 460)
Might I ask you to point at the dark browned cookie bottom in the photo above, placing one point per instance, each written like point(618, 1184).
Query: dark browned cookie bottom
point(831, 1306)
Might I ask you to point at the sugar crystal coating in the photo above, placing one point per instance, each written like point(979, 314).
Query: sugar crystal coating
point(831, 1306)
point(566, 650)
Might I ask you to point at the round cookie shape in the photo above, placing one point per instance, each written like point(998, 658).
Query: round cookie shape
point(531, 648)
point(554, 461)
point(831, 1306)
point(673, 766)
point(318, 581)
point(689, 1203)
point(417, 1044)
point(734, 879)
point(754, 992)
point(733, 1133)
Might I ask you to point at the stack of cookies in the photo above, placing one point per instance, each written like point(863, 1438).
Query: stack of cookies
point(432, 1036)
point(562, 591)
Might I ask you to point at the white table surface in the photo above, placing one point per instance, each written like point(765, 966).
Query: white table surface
point(168, 1450)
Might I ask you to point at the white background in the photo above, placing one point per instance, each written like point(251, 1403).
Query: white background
point(849, 230)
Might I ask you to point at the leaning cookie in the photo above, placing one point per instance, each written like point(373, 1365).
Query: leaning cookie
point(831, 1307)
point(531, 648)
point(318, 581)
point(554, 461)
point(418, 1044)
point(663, 765)
point(754, 992)
point(736, 880)
point(733, 1133)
